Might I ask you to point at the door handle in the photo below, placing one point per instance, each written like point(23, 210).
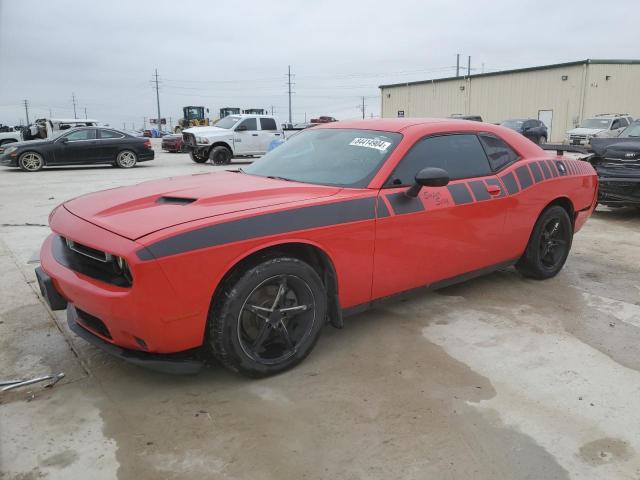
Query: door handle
point(494, 189)
point(277, 134)
point(254, 134)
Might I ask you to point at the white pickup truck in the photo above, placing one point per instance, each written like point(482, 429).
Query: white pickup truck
point(44, 128)
point(232, 136)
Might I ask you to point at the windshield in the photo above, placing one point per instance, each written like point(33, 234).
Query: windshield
point(602, 123)
point(513, 124)
point(631, 131)
point(341, 157)
point(228, 122)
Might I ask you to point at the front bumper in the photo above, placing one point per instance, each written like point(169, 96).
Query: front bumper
point(619, 191)
point(8, 161)
point(184, 363)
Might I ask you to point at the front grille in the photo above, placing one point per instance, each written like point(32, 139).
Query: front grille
point(90, 262)
point(577, 137)
point(189, 139)
point(93, 323)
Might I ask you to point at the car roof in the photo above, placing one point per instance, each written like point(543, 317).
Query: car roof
point(399, 124)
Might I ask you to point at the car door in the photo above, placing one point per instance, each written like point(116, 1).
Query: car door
point(529, 130)
point(447, 231)
point(110, 143)
point(246, 137)
point(77, 147)
point(268, 133)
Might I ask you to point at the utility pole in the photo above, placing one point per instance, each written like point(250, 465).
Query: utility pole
point(482, 67)
point(170, 124)
point(85, 113)
point(26, 109)
point(362, 107)
point(271, 110)
point(50, 114)
point(158, 100)
point(124, 125)
point(289, 83)
point(144, 123)
point(457, 64)
point(73, 99)
point(469, 66)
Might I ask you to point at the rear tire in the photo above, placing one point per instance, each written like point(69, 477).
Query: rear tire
point(220, 155)
point(548, 246)
point(267, 319)
point(126, 159)
point(197, 158)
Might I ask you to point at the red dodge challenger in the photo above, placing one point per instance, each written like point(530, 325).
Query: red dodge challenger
point(248, 266)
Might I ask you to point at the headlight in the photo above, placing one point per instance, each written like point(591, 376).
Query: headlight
point(202, 140)
point(9, 150)
point(124, 268)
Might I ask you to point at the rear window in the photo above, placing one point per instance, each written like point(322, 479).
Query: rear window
point(498, 152)
point(268, 124)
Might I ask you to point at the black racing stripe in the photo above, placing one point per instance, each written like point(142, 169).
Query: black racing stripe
point(524, 177)
point(496, 182)
point(562, 168)
point(545, 169)
point(382, 211)
point(479, 190)
point(510, 182)
point(263, 225)
point(552, 167)
point(570, 167)
point(460, 193)
point(401, 203)
point(537, 173)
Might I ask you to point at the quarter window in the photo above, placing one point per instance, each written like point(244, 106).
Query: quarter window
point(110, 134)
point(250, 123)
point(87, 134)
point(268, 124)
point(461, 155)
point(498, 152)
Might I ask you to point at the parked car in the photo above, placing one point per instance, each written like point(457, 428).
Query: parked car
point(78, 146)
point(232, 136)
point(461, 116)
point(533, 129)
point(44, 128)
point(249, 265)
point(617, 162)
point(601, 126)
point(323, 119)
point(173, 143)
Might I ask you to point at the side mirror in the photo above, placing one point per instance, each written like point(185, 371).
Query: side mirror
point(428, 177)
point(241, 128)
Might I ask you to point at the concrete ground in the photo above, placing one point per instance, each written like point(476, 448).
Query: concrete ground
point(497, 378)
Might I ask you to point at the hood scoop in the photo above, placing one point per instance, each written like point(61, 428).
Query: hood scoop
point(175, 200)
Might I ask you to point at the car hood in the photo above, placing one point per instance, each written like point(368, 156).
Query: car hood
point(141, 209)
point(26, 143)
point(585, 131)
point(209, 131)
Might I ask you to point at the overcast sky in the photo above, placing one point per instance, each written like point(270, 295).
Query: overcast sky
point(235, 53)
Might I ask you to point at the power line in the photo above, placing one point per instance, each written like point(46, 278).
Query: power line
point(73, 99)
point(158, 100)
point(26, 110)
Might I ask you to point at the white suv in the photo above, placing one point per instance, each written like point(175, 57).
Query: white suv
point(601, 126)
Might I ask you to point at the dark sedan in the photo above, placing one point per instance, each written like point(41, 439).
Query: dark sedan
point(533, 129)
point(78, 146)
point(617, 162)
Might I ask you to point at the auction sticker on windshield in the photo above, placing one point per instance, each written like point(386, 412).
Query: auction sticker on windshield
point(371, 143)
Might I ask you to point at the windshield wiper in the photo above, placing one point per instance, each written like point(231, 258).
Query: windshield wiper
point(274, 177)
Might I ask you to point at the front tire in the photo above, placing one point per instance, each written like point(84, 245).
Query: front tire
point(220, 155)
point(267, 318)
point(548, 246)
point(31, 162)
point(197, 158)
point(126, 159)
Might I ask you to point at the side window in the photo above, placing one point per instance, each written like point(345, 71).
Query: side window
point(110, 134)
point(461, 155)
point(250, 123)
point(498, 152)
point(623, 123)
point(268, 124)
point(87, 134)
point(615, 124)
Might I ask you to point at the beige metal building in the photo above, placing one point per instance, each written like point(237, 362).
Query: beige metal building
point(560, 95)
